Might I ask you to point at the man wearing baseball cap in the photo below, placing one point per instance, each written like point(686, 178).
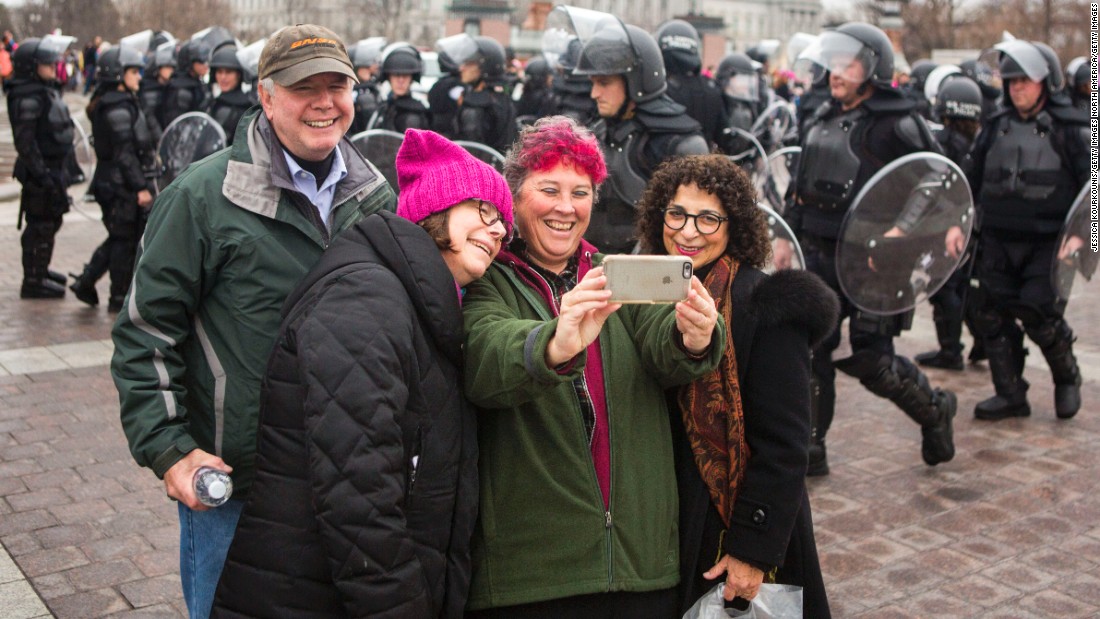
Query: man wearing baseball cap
point(225, 244)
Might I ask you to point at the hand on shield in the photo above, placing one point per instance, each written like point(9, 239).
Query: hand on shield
point(782, 252)
point(892, 233)
point(1070, 247)
point(955, 242)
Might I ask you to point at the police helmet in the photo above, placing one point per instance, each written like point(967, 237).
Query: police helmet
point(35, 51)
point(865, 43)
point(192, 52)
point(401, 59)
point(112, 64)
point(490, 58)
point(537, 70)
point(368, 52)
point(1032, 60)
point(959, 97)
point(919, 72)
point(628, 51)
point(736, 76)
point(226, 58)
point(679, 43)
point(1077, 73)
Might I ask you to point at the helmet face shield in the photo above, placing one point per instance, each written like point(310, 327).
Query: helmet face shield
point(608, 52)
point(568, 28)
point(165, 56)
point(936, 80)
point(367, 52)
point(460, 48)
point(742, 87)
point(1021, 59)
point(844, 56)
point(249, 57)
point(140, 41)
point(51, 48)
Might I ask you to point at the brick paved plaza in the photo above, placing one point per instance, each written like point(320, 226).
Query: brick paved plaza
point(1009, 528)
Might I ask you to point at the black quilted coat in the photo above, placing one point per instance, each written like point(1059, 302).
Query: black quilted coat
point(366, 485)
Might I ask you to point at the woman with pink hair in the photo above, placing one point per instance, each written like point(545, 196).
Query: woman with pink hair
point(577, 488)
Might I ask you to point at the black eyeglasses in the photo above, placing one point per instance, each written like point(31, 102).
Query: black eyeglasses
point(705, 223)
point(490, 215)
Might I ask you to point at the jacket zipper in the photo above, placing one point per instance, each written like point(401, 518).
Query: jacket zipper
point(592, 465)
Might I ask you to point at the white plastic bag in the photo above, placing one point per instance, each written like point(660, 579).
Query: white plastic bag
point(773, 602)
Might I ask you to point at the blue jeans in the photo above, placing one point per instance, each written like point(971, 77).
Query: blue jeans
point(204, 542)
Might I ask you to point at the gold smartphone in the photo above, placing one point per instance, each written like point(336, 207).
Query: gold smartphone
point(647, 279)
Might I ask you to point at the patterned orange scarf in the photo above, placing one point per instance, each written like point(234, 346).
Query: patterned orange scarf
point(711, 407)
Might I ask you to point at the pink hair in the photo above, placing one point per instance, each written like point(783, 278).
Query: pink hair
point(551, 141)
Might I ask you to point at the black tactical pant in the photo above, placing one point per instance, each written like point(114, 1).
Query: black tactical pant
point(43, 207)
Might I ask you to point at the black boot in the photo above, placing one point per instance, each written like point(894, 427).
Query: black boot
point(1006, 365)
point(114, 304)
point(977, 352)
point(1055, 339)
point(41, 289)
point(83, 285)
point(897, 379)
point(56, 277)
point(949, 356)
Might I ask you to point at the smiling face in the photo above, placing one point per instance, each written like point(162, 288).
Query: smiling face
point(846, 74)
point(609, 91)
point(703, 249)
point(552, 214)
point(474, 244)
point(310, 116)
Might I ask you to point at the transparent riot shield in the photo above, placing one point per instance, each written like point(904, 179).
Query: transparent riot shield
point(782, 165)
point(485, 153)
point(380, 147)
point(773, 123)
point(893, 249)
point(85, 154)
point(780, 232)
point(1076, 253)
point(753, 159)
point(189, 138)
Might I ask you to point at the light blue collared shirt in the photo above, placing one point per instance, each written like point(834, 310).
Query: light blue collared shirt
point(306, 183)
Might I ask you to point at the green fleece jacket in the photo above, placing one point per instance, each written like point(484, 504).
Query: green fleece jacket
point(226, 243)
point(543, 531)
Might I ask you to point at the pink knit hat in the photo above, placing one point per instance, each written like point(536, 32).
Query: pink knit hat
point(434, 174)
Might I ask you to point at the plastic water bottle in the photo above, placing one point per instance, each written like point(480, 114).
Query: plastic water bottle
point(212, 487)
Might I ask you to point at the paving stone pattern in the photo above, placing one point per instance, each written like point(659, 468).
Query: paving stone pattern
point(1010, 528)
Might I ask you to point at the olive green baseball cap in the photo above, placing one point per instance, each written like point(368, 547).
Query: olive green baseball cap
point(297, 52)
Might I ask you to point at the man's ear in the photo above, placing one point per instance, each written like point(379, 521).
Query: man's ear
point(265, 99)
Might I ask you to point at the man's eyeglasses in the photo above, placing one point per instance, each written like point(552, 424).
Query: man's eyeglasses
point(705, 223)
point(490, 215)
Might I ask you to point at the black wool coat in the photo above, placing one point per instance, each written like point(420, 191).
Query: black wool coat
point(366, 485)
point(776, 322)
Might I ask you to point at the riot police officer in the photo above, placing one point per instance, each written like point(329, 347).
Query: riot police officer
point(991, 95)
point(641, 126)
point(740, 86)
point(918, 76)
point(443, 95)
point(186, 92)
point(401, 66)
point(1031, 160)
point(538, 98)
point(959, 107)
point(865, 125)
point(700, 96)
point(158, 72)
point(232, 102)
point(126, 155)
point(365, 56)
point(43, 132)
point(1079, 82)
point(486, 113)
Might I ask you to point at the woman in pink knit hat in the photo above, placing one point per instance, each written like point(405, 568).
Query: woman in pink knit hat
point(366, 485)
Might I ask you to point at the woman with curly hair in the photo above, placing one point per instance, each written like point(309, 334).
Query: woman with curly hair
point(742, 431)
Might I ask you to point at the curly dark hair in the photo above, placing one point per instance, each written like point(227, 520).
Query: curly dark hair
point(717, 175)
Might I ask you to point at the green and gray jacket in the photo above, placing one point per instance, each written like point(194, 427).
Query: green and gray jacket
point(224, 246)
point(543, 532)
